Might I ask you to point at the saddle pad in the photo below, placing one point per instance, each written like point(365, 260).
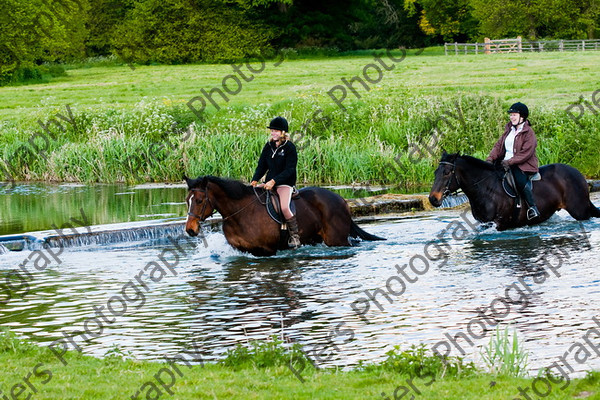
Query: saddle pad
point(274, 208)
point(508, 183)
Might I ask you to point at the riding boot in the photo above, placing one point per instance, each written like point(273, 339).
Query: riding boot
point(294, 241)
point(532, 212)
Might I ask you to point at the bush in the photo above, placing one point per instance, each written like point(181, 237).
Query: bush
point(417, 362)
point(34, 74)
point(264, 354)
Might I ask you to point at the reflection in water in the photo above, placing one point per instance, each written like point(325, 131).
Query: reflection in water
point(36, 207)
point(221, 297)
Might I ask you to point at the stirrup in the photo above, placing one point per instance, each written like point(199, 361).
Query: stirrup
point(532, 213)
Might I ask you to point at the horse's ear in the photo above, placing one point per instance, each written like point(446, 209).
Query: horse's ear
point(187, 180)
point(203, 182)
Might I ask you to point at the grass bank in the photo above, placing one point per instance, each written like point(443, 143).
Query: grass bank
point(258, 373)
point(135, 125)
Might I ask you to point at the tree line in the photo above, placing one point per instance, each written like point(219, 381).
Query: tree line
point(38, 32)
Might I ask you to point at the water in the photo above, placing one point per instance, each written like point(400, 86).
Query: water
point(40, 206)
point(220, 297)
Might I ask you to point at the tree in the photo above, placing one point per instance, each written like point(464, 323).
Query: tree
point(534, 19)
point(453, 20)
point(106, 16)
point(37, 31)
point(180, 31)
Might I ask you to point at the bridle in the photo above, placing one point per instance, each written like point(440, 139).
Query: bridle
point(191, 214)
point(204, 191)
point(447, 191)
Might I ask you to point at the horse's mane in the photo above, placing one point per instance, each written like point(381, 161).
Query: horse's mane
point(473, 161)
point(479, 163)
point(232, 188)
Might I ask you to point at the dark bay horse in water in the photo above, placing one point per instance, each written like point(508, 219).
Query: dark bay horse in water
point(561, 187)
point(323, 216)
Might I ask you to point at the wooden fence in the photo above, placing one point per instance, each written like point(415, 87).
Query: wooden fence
point(518, 46)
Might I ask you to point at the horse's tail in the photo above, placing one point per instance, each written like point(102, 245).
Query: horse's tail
point(357, 231)
point(595, 211)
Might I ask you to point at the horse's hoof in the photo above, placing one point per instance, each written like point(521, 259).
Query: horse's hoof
point(294, 242)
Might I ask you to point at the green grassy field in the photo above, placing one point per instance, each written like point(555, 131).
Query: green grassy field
point(30, 371)
point(539, 79)
point(120, 112)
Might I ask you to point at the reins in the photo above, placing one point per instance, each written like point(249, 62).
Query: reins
point(447, 191)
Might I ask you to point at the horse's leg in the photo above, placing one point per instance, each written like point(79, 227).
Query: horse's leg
point(576, 196)
point(255, 233)
point(335, 223)
point(335, 232)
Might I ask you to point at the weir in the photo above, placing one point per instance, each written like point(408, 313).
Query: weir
point(173, 227)
point(99, 234)
point(454, 200)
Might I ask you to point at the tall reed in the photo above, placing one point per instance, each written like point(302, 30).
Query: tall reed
point(383, 140)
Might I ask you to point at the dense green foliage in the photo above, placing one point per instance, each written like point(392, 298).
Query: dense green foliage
point(35, 32)
point(181, 31)
point(372, 142)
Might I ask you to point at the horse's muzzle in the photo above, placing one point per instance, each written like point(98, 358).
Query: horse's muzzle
point(191, 232)
point(435, 199)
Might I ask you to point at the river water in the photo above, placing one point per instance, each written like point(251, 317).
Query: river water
point(543, 280)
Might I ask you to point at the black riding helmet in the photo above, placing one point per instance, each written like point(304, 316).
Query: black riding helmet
point(279, 123)
point(521, 109)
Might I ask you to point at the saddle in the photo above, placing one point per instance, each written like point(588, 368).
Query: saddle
point(274, 206)
point(510, 187)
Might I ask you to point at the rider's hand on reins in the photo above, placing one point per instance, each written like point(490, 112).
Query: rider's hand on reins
point(269, 185)
point(505, 164)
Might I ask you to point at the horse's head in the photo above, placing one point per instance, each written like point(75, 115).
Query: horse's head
point(445, 179)
point(199, 205)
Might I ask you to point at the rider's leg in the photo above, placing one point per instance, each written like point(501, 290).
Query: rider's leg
point(522, 180)
point(285, 197)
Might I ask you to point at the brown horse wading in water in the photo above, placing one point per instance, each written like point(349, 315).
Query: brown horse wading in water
point(323, 216)
point(561, 187)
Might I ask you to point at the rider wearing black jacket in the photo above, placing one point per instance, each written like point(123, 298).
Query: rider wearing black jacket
point(279, 159)
point(279, 162)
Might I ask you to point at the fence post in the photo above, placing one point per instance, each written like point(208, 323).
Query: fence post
point(583, 45)
point(455, 48)
point(519, 44)
point(561, 45)
point(476, 48)
point(486, 46)
point(446, 49)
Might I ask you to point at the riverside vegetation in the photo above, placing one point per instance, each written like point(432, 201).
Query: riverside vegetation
point(106, 123)
point(258, 372)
